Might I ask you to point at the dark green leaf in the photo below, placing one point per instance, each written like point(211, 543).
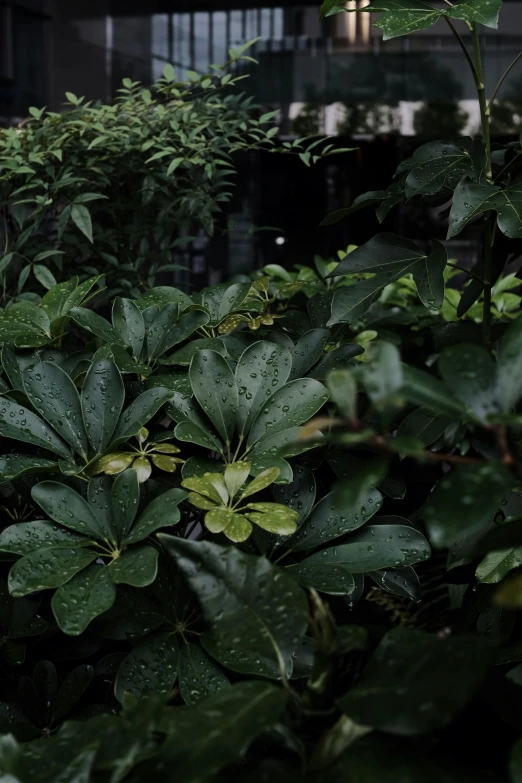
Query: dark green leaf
point(469, 373)
point(261, 370)
point(215, 389)
point(47, 568)
point(137, 567)
point(128, 322)
point(199, 676)
point(83, 598)
point(81, 217)
point(150, 669)
point(256, 612)
point(139, 413)
point(471, 200)
point(65, 506)
point(416, 682)
point(102, 398)
point(23, 538)
point(56, 398)
point(162, 512)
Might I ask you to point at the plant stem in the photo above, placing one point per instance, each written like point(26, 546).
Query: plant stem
point(463, 47)
point(484, 121)
point(501, 80)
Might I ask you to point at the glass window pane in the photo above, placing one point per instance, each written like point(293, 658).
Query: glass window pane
point(201, 41)
point(251, 25)
point(278, 23)
point(181, 26)
point(219, 37)
point(266, 25)
point(236, 28)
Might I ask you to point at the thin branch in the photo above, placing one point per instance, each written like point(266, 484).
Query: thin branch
point(463, 47)
point(467, 271)
point(501, 80)
point(513, 159)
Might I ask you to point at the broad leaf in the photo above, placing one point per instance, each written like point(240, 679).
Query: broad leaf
point(469, 373)
point(402, 17)
point(199, 676)
point(464, 500)
point(495, 565)
point(332, 518)
point(256, 612)
point(47, 568)
point(102, 398)
point(416, 682)
point(139, 412)
point(65, 506)
point(56, 398)
point(439, 165)
point(83, 598)
point(422, 388)
point(307, 352)
point(128, 322)
point(260, 371)
point(150, 669)
point(509, 367)
point(137, 567)
point(23, 538)
point(471, 200)
point(12, 466)
point(190, 432)
point(125, 498)
point(162, 512)
point(215, 389)
point(291, 405)
point(95, 324)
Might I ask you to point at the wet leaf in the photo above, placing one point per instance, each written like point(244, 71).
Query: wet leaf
point(215, 389)
point(47, 568)
point(261, 370)
point(102, 399)
point(82, 598)
point(199, 676)
point(137, 567)
point(150, 668)
point(128, 322)
point(256, 612)
point(65, 506)
point(469, 373)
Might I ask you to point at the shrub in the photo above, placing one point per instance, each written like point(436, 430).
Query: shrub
point(279, 531)
point(119, 189)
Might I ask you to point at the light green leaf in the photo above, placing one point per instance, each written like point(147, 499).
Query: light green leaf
point(236, 527)
point(260, 482)
point(235, 476)
point(495, 565)
point(343, 391)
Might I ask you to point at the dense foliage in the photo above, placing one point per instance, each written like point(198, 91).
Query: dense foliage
point(120, 189)
point(273, 530)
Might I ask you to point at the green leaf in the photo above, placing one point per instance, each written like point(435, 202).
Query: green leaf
point(127, 321)
point(331, 570)
point(428, 275)
point(495, 565)
point(438, 165)
point(23, 538)
point(471, 199)
point(150, 669)
point(216, 733)
point(136, 567)
point(291, 405)
point(47, 568)
point(65, 506)
point(21, 424)
point(261, 369)
point(190, 432)
point(256, 612)
point(81, 217)
point(233, 298)
point(215, 389)
point(260, 482)
point(162, 296)
point(509, 367)
point(139, 413)
point(332, 518)
point(464, 500)
point(416, 682)
point(469, 373)
point(55, 397)
point(12, 466)
point(423, 424)
point(402, 17)
point(84, 597)
point(183, 356)
point(308, 351)
point(44, 276)
point(125, 499)
point(235, 476)
point(235, 527)
point(382, 374)
point(273, 517)
point(102, 398)
point(162, 512)
point(95, 324)
point(408, 539)
point(181, 330)
point(199, 676)
point(343, 391)
point(25, 325)
point(421, 388)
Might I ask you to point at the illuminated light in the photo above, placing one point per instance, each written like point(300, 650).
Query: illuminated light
point(280, 240)
point(365, 22)
point(351, 21)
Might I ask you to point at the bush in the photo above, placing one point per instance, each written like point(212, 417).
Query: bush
point(273, 530)
point(120, 189)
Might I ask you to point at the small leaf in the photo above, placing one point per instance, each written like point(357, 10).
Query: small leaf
point(150, 669)
point(81, 217)
point(44, 276)
point(136, 567)
point(199, 676)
